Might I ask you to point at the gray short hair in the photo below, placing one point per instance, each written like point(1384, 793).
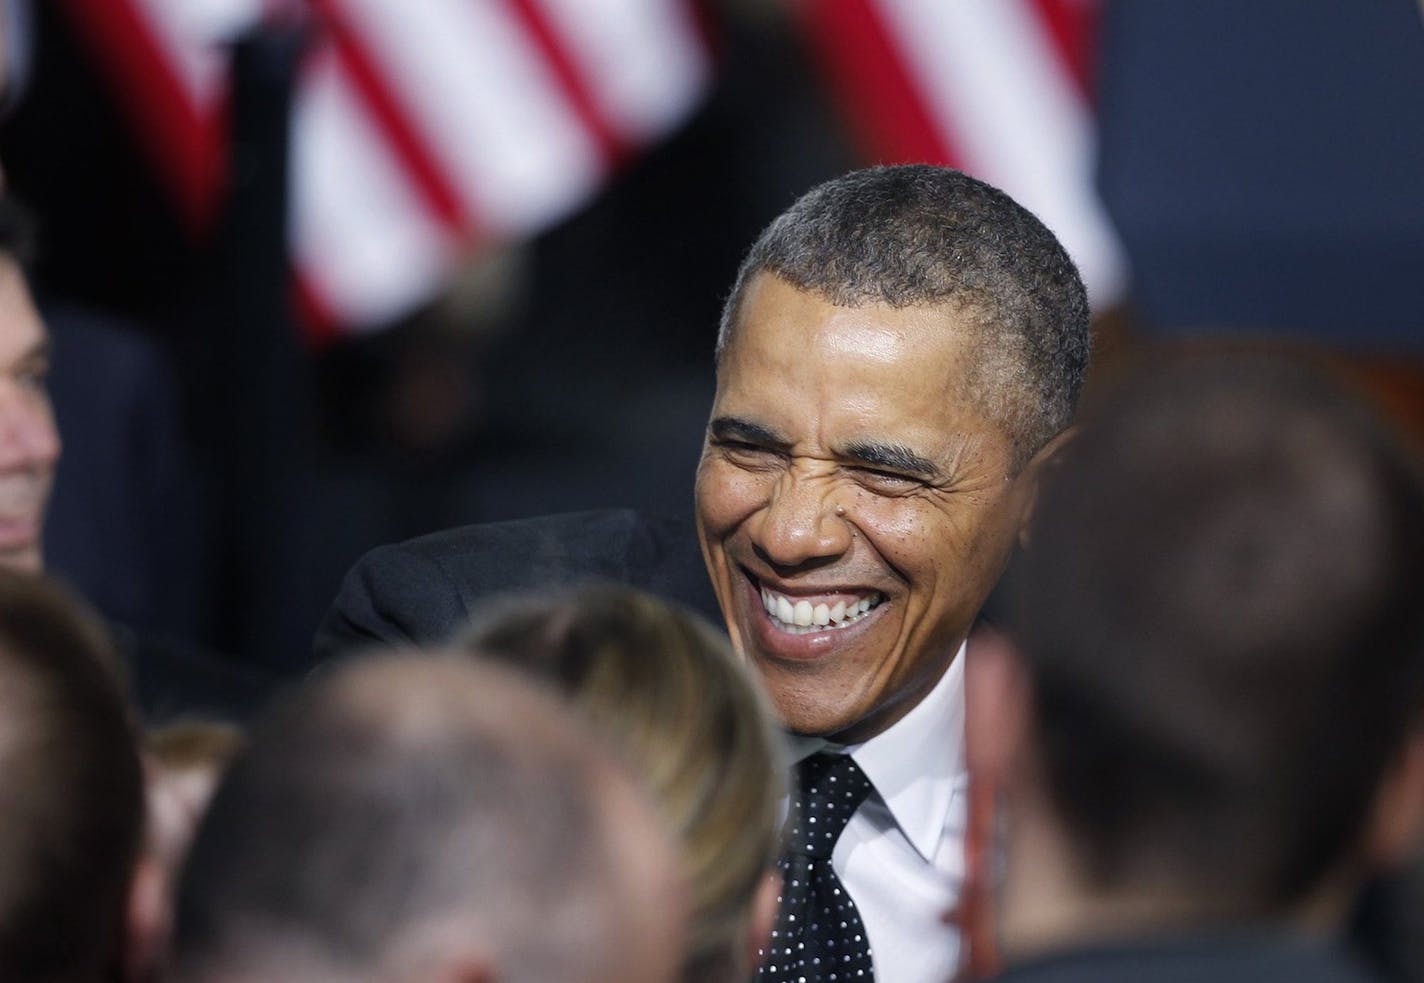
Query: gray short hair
point(915, 234)
point(397, 800)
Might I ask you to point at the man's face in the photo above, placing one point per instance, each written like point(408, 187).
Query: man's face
point(29, 443)
point(854, 507)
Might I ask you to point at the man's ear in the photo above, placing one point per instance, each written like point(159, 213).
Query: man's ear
point(1032, 475)
point(1395, 832)
point(997, 698)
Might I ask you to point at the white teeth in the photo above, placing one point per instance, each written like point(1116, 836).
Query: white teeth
point(802, 616)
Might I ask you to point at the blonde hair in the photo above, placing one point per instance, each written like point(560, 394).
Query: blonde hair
point(666, 689)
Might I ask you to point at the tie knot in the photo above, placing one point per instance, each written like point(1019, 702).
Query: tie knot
point(829, 788)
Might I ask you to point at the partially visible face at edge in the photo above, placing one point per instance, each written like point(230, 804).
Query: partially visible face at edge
point(847, 480)
point(29, 442)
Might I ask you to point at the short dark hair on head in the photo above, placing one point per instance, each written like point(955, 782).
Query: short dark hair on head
point(395, 800)
point(71, 788)
point(919, 235)
point(1222, 611)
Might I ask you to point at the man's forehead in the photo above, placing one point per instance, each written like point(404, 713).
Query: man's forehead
point(779, 320)
point(875, 351)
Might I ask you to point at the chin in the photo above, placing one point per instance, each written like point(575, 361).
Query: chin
point(803, 710)
point(27, 560)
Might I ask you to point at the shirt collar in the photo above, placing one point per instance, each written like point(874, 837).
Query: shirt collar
point(915, 765)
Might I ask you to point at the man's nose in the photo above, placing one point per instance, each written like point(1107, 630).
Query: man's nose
point(799, 523)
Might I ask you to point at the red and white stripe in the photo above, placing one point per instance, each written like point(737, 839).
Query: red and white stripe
point(358, 266)
point(172, 79)
point(997, 88)
point(421, 129)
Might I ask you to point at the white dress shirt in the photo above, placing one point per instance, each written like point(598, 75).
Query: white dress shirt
point(901, 856)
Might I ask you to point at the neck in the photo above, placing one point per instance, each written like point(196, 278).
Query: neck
point(1048, 903)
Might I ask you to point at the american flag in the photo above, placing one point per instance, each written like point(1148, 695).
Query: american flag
point(421, 130)
point(424, 129)
point(1001, 89)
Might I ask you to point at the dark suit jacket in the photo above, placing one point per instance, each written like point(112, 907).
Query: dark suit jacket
point(1225, 957)
point(422, 590)
point(124, 526)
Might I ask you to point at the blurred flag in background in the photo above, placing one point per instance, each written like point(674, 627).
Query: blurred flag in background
point(425, 129)
point(1001, 89)
point(421, 130)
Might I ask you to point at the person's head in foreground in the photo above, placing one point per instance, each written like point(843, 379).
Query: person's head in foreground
point(29, 441)
point(425, 818)
point(185, 760)
point(71, 791)
point(900, 351)
point(1210, 714)
point(665, 688)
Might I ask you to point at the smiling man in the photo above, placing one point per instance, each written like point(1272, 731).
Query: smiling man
point(167, 677)
point(29, 442)
point(902, 350)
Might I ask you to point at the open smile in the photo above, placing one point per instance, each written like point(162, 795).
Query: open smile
point(827, 612)
point(804, 624)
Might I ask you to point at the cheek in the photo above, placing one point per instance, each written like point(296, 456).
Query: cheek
point(945, 555)
point(914, 537)
point(41, 431)
point(727, 496)
point(996, 532)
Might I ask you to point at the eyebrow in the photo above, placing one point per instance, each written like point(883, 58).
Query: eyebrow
point(736, 428)
point(873, 453)
point(892, 457)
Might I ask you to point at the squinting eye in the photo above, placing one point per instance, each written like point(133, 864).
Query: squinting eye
point(741, 449)
point(752, 457)
point(885, 479)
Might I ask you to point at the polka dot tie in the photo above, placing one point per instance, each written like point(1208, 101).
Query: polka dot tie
point(819, 937)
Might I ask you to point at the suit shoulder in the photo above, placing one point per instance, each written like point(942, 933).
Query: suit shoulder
point(421, 590)
point(547, 549)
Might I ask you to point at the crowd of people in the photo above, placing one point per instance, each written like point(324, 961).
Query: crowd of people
point(1005, 689)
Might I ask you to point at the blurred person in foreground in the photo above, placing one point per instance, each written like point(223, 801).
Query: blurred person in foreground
point(166, 677)
point(900, 354)
point(71, 795)
point(1208, 723)
point(425, 818)
point(689, 719)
